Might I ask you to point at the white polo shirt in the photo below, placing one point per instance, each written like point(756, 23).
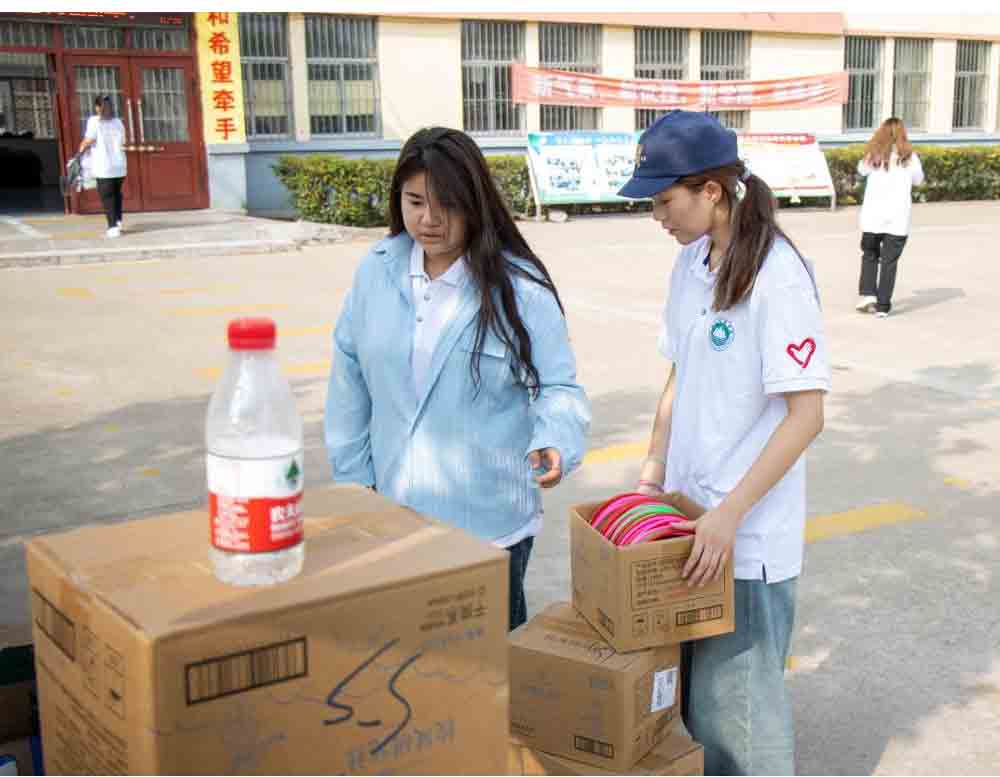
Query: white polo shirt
point(435, 303)
point(889, 195)
point(731, 369)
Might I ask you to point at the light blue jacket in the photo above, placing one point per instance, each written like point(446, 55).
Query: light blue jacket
point(451, 454)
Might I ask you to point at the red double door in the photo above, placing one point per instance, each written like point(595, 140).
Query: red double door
point(156, 100)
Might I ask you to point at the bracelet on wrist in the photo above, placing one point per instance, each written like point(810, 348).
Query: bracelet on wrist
point(651, 484)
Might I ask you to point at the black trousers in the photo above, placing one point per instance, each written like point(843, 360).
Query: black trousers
point(519, 555)
point(879, 249)
point(110, 190)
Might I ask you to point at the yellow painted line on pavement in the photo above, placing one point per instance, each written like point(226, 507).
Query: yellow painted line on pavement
point(65, 392)
point(821, 527)
point(73, 235)
point(308, 368)
point(150, 472)
point(302, 331)
point(957, 482)
point(214, 310)
point(824, 527)
point(201, 289)
point(76, 292)
point(631, 450)
point(303, 368)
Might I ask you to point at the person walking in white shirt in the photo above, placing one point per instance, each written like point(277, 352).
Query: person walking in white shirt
point(105, 137)
point(892, 168)
point(743, 400)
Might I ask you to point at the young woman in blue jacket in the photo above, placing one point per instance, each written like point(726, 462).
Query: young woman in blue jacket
point(453, 388)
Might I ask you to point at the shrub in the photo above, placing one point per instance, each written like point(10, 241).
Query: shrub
point(355, 192)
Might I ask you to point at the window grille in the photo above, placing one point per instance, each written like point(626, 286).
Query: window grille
point(576, 48)
point(863, 63)
point(26, 34)
point(488, 50)
point(76, 37)
point(265, 70)
point(660, 54)
point(971, 82)
point(911, 81)
point(342, 65)
point(725, 56)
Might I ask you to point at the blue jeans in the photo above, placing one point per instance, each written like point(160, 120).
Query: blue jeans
point(519, 555)
point(735, 703)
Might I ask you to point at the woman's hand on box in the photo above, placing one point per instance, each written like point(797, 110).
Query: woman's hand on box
point(714, 536)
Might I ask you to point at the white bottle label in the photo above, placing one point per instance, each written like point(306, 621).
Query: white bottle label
point(255, 504)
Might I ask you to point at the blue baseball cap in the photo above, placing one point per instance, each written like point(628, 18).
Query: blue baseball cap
point(677, 144)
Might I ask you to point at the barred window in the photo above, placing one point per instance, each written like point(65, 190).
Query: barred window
point(863, 63)
point(27, 34)
point(911, 81)
point(76, 37)
point(342, 63)
point(488, 50)
point(660, 54)
point(26, 98)
point(264, 64)
point(160, 39)
point(576, 48)
point(725, 56)
point(971, 83)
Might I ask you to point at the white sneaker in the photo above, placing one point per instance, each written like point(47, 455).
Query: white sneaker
point(866, 305)
point(113, 232)
point(121, 227)
point(882, 314)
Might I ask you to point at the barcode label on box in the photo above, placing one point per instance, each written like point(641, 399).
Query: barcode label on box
point(55, 625)
point(700, 615)
point(664, 689)
point(594, 746)
point(239, 672)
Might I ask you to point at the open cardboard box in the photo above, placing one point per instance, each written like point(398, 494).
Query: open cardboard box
point(635, 596)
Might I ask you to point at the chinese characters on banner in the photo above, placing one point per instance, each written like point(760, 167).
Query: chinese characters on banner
point(558, 87)
point(221, 82)
point(590, 167)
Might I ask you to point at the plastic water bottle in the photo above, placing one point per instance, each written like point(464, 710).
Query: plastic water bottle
point(253, 438)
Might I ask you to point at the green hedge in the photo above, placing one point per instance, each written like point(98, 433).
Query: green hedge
point(355, 192)
point(950, 173)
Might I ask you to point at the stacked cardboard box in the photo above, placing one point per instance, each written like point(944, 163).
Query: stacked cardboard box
point(596, 686)
point(388, 653)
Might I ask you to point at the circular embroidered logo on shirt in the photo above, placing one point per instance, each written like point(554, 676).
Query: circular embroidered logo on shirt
point(721, 334)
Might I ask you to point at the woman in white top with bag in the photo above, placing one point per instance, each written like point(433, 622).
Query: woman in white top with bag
point(105, 137)
point(892, 168)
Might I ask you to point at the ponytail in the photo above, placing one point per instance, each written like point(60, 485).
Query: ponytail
point(752, 208)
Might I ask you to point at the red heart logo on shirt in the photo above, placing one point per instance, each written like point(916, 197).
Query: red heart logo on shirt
point(802, 352)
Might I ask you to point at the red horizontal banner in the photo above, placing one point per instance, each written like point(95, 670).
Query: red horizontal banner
point(560, 87)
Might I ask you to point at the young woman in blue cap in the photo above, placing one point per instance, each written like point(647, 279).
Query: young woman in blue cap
point(743, 400)
point(453, 377)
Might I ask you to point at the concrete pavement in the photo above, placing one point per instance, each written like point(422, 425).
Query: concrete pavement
point(60, 239)
point(107, 369)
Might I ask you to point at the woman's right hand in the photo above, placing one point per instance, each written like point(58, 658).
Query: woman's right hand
point(651, 476)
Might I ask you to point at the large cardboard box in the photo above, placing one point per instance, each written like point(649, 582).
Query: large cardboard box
point(388, 653)
point(635, 595)
point(571, 694)
point(677, 754)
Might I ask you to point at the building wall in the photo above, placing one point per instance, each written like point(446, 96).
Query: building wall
point(782, 56)
point(420, 71)
point(420, 84)
point(618, 61)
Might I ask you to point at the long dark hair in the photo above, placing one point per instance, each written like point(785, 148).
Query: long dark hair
point(458, 176)
point(754, 229)
point(891, 135)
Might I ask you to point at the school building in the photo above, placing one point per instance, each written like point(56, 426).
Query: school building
point(211, 100)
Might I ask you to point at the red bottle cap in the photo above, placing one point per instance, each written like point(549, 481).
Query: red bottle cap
point(252, 334)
